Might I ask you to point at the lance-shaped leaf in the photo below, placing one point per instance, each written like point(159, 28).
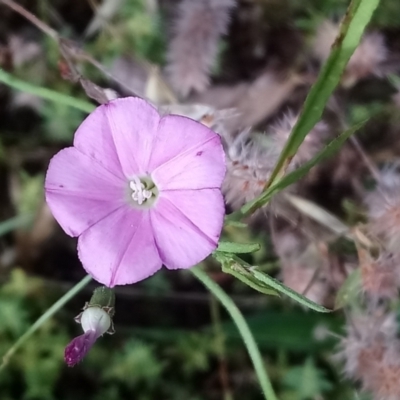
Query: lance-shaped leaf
point(260, 281)
point(234, 266)
point(281, 288)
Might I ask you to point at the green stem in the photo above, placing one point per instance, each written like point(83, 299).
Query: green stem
point(243, 328)
point(47, 315)
point(45, 93)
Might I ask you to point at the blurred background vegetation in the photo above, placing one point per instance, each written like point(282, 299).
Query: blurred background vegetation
point(173, 341)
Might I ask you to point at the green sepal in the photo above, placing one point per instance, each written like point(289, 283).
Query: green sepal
point(104, 298)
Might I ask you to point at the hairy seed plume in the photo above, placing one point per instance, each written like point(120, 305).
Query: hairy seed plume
point(194, 46)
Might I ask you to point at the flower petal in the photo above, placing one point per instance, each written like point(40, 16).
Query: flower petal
point(80, 192)
point(187, 225)
point(133, 123)
point(120, 249)
point(186, 155)
point(79, 347)
point(94, 138)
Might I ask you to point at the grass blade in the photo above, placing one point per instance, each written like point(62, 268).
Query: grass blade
point(45, 93)
point(15, 222)
point(294, 176)
point(352, 28)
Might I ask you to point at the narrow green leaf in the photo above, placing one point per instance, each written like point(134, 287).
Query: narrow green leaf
point(45, 93)
point(281, 288)
point(234, 266)
point(15, 222)
point(238, 248)
point(239, 272)
point(299, 173)
point(352, 27)
point(260, 281)
point(394, 80)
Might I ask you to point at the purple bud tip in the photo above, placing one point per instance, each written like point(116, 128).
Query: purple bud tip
point(78, 348)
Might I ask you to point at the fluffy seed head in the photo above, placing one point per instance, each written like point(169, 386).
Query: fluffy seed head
point(384, 209)
point(380, 276)
point(366, 60)
point(195, 44)
point(371, 352)
point(302, 265)
point(313, 142)
point(250, 160)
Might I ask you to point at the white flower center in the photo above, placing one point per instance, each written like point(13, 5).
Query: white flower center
point(139, 192)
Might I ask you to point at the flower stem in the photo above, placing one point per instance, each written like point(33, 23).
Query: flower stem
point(243, 328)
point(47, 315)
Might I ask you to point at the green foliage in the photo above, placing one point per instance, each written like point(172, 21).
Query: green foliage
point(31, 193)
point(290, 330)
point(307, 381)
point(386, 13)
point(39, 362)
point(134, 30)
point(140, 359)
point(193, 351)
point(60, 121)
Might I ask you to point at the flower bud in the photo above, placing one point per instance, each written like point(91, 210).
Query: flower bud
point(96, 320)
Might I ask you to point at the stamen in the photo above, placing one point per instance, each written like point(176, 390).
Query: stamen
point(139, 193)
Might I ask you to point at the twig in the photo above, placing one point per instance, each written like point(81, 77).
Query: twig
point(368, 163)
point(30, 17)
point(79, 55)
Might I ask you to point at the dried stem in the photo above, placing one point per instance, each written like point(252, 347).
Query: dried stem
point(82, 55)
point(30, 17)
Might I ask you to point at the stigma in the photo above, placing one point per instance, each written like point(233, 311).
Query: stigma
point(139, 192)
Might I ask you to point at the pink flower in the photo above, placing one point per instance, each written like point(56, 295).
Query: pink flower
point(139, 190)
